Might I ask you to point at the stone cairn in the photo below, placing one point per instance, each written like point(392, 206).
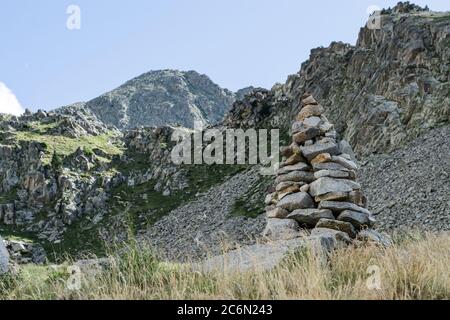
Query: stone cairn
point(315, 185)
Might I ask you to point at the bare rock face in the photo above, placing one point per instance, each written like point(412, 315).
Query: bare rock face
point(162, 98)
point(381, 93)
point(403, 70)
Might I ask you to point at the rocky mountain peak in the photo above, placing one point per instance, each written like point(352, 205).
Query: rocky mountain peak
point(163, 97)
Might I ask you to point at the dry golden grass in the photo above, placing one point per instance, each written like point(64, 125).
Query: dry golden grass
point(416, 267)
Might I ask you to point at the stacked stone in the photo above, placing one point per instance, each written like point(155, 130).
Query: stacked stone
point(315, 185)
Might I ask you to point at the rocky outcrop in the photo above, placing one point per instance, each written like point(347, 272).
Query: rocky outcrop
point(46, 164)
point(388, 89)
point(154, 145)
point(45, 189)
point(316, 184)
point(21, 252)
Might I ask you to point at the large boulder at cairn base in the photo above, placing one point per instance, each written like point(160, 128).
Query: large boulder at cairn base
point(338, 226)
point(281, 229)
point(327, 240)
point(4, 257)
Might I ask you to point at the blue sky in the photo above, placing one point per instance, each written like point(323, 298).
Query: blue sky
point(235, 42)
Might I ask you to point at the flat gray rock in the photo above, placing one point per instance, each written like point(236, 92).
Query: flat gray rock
point(337, 225)
point(327, 185)
point(296, 176)
point(299, 200)
point(301, 166)
point(329, 166)
point(310, 217)
point(332, 174)
point(357, 219)
point(312, 122)
point(339, 206)
point(305, 134)
point(345, 162)
point(310, 152)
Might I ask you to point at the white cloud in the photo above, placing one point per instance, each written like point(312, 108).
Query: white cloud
point(8, 101)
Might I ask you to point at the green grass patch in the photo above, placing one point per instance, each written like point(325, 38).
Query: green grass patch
point(81, 239)
point(143, 204)
point(42, 127)
point(137, 162)
point(65, 146)
point(12, 233)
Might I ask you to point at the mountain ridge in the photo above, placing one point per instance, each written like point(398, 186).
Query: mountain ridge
point(164, 97)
